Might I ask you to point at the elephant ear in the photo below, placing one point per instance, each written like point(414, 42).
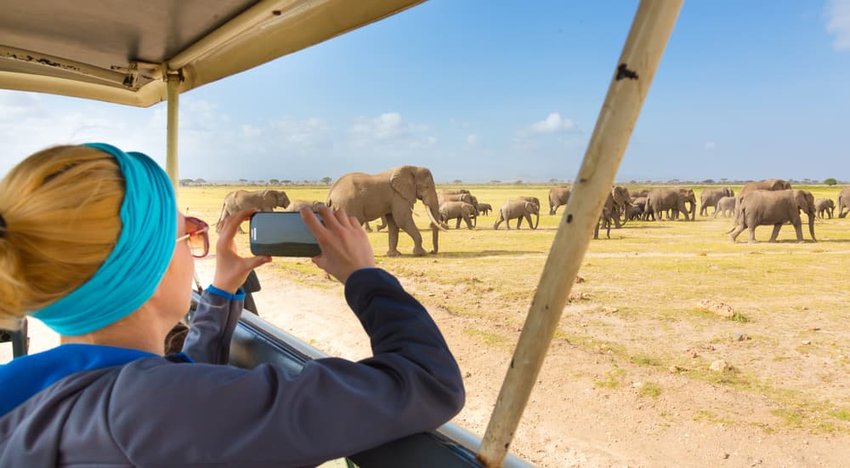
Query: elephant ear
point(403, 181)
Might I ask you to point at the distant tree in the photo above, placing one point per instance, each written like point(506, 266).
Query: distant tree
point(830, 181)
point(708, 181)
point(519, 182)
point(632, 181)
point(326, 180)
point(185, 182)
point(244, 181)
point(286, 181)
point(457, 181)
point(274, 182)
point(200, 181)
point(494, 181)
point(553, 180)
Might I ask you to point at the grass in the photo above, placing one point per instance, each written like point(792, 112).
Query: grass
point(649, 389)
point(654, 274)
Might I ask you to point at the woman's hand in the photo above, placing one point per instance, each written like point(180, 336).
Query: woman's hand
point(345, 245)
point(231, 270)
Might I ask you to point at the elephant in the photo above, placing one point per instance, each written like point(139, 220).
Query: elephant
point(465, 196)
point(662, 199)
point(558, 196)
point(638, 193)
point(776, 207)
point(635, 210)
point(263, 200)
point(536, 202)
point(726, 206)
point(313, 205)
point(485, 208)
point(459, 210)
point(769, 184)
point(391, 193)
point(517, 209)
point(618, 201)
point(710, 197)
point(825, 206)
point(844, 202)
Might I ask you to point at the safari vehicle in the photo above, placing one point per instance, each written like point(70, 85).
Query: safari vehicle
point(141, 52)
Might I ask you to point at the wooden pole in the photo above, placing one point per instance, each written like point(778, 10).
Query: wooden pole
point(173, 96)
point(633, 75)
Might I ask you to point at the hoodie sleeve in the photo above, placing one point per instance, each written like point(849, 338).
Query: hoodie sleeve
point(204, 414)
point(212, 326)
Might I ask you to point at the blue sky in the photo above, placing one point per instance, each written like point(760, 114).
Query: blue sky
point(480, 90)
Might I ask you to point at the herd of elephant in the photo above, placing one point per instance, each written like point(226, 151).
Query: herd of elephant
point(390, 196)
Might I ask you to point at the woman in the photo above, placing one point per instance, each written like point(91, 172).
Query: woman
point(91, 243)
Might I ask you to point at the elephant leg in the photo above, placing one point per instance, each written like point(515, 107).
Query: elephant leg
point(798, 229)
point(405, 223)
point(467, 221)
point(457, 226)
point(498, 222)
point(519, 222)
point(367, 227)
point(775, 233)
point(752, 229)
point(383, 224)
point(737, 231)
point(392, 231)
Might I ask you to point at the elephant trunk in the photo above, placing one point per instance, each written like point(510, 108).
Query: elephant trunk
point(537, 221)
point(812, 225)
point(435, 238)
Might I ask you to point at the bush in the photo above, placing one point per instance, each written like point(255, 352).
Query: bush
point(830, 181)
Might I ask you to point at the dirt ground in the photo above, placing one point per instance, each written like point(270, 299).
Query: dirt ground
point(571, 420)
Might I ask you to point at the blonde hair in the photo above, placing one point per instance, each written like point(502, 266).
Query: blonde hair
point(62, 208)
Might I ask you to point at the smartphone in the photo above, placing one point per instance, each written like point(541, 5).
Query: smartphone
point(282, 234)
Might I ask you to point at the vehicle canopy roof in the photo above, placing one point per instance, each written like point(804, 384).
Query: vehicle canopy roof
point(121, 55)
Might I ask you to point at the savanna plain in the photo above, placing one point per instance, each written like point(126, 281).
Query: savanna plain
point(628, 378)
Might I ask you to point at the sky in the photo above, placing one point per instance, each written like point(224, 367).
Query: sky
point(480, 90)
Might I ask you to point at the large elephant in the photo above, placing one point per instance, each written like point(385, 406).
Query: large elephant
point(517, 209)
point(263, 200)
point(459, 210)
point(776, 207)
point(558, 196)
point(312, 205)
point(844, 202)
point(391, 193)
point(824, 207)
point(769, 184)
point(710, 197)
point(617, 202)
point(452, 195)
point(536, 202)
point(726, 206)
point(662, 199)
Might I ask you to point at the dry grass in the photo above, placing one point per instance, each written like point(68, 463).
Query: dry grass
point(642, 291)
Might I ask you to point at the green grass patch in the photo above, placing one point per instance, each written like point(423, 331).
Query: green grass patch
point(649, 389)
point(611, 380)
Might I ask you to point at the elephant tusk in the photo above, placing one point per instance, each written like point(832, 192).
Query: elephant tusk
point(434, 221)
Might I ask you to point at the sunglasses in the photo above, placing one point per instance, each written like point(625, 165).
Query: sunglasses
point(197, 233)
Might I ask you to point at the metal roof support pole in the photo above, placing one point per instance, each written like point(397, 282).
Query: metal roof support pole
point(641, 54)
point(173, 97)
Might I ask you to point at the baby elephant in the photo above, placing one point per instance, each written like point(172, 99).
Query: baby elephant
point(725, 205)
point(459, 210)
point(517, 209)
point(485, 208)
point(825, 206)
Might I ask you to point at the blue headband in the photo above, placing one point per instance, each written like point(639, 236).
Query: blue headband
point(131, 273)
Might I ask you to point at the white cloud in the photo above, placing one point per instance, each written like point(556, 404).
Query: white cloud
point(312, 132)
point(472, 140)
point(710, 145)
point(838, 23)
point(552, 124)
point(389, 130)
